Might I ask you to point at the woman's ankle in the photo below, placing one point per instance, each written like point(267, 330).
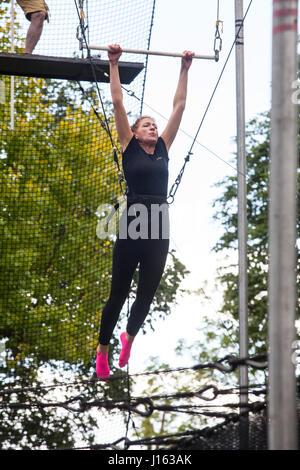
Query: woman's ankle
point(102, 349)
point(129, 338)
point(126, 349)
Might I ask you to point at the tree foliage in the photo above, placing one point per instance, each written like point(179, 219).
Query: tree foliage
point(258, 159)
point(53, 264)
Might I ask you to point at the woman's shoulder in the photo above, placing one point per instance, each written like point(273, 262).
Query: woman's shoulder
point(132, 144)
point(161, 142)
point(162, 148)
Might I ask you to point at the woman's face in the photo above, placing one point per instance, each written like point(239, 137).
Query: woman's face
point(146, 131)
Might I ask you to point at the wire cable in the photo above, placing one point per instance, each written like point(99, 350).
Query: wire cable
point(177, 182)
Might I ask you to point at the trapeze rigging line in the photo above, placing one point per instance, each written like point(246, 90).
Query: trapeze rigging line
point(147, 52)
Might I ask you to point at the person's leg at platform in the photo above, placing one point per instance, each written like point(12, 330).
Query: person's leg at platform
point(35, 30)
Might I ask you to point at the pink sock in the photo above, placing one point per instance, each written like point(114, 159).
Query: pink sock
point(102, 368)
point(125, 353)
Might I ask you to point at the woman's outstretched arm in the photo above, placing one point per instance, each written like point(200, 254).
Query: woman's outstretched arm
point(179, 101)
point(122, 124)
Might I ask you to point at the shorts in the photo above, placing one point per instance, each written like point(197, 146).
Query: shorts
point(31, 6)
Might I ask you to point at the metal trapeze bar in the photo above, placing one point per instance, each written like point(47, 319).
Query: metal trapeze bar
point(146, 52)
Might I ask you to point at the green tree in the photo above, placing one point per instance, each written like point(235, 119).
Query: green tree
point(258, 157)
point(52, 259)
point(222, 332)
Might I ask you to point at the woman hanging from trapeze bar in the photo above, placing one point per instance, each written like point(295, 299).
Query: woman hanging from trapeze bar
point(145, 165)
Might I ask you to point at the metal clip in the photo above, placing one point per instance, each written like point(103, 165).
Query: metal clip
point(218, 40)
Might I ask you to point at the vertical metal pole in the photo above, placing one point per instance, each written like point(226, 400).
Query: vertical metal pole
point(242, 217)
point(12, 78)
point(282, 229)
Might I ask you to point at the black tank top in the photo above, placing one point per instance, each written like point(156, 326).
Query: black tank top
point(145, 173)
point(147, 180)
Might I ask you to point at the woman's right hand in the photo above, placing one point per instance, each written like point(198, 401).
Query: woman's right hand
point(114, 53)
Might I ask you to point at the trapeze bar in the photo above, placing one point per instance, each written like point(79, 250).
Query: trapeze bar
point(143, 51)
point(65, 68)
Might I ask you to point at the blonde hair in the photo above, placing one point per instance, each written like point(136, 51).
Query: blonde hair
point(137, 122)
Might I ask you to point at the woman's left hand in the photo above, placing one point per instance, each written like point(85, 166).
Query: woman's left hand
point(187, 59)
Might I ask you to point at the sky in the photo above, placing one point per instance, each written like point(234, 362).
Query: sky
point(191, 25)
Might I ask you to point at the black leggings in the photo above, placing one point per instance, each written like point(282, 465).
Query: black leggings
point(151, 256)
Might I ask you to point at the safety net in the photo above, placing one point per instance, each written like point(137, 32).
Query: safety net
point(59, 160)
point(57, 152)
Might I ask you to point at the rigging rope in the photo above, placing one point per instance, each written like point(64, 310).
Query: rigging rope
point(177, 182)
point(258, 362)
point(148, 48)
point(218, 39)
point(149, 408)
point(179, 439)
point(217, 49)
point(146, 406)
point(105, 124)
point(133, 95)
